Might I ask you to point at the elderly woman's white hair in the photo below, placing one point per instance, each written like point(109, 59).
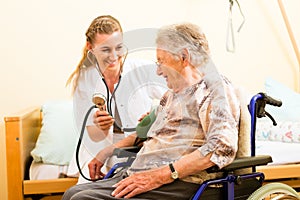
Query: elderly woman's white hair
point(177, 37)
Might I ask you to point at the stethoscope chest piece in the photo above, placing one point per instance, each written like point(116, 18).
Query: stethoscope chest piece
point(99, 100)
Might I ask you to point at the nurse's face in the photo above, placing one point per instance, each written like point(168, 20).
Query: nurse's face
point(109, 51)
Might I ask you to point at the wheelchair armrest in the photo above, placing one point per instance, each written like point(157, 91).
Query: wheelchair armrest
point(238, 163)
point(243, 162)
point(126, 151)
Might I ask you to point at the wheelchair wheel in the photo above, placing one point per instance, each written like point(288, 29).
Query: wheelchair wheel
point(274, 191)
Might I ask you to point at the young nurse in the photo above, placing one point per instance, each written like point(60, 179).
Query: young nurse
point(129, 88)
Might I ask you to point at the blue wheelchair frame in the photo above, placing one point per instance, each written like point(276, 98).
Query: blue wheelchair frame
point(229, 180)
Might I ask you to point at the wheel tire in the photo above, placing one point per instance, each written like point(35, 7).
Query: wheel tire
point(274, 188)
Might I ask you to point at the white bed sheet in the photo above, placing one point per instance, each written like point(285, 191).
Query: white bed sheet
point(40, 171)
point(281, 152)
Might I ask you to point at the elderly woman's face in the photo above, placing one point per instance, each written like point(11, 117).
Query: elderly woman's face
point(169, 66)
point(109, 50)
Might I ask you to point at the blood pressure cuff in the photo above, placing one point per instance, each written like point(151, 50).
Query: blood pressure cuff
point(144, 126)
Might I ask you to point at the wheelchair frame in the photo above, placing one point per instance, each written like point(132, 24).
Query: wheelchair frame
point(230, 180)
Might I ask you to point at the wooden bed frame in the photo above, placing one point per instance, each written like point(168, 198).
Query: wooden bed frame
point(22, 130)
point(288, 174)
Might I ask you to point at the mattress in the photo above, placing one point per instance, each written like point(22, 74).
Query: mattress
point(40, 171)
point(282, 142)
point(281, 152)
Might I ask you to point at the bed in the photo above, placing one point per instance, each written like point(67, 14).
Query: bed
point(22, 132)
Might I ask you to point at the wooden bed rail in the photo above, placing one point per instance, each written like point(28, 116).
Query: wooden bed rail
point(48, 186)
point(280, 171)
point(287, 173)
point(21, 131)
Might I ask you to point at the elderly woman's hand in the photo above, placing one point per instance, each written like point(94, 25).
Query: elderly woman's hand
point(142, 182)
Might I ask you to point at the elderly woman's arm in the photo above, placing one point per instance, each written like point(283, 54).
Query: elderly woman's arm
point(148, 180)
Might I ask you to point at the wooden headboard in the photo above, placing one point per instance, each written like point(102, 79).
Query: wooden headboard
point(22, 130)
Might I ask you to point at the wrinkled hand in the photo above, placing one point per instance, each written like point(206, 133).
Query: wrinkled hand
point(139, 183)
point(103, 120)
point(95, 169)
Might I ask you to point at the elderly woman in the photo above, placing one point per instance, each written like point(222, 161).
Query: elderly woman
point(196, 127)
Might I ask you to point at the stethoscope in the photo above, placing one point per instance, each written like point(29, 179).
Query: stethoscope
point(99, 101)
point(108, 99)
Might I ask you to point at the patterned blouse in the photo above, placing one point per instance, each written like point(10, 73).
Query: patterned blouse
point(203, 117)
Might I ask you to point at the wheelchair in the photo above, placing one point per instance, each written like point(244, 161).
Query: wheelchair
point(233, 185)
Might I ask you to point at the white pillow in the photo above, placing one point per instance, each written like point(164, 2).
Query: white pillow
point(290, 109)
point(58, 137)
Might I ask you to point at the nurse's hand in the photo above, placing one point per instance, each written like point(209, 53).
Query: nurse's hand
point(103, 120)
point(97, 163)
point(95, 169)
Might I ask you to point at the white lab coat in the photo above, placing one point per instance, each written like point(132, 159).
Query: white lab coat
point(139, 89)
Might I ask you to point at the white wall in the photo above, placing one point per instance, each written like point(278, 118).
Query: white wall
point(41, 41)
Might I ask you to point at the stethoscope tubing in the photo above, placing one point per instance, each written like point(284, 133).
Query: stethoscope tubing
point(109, 99)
